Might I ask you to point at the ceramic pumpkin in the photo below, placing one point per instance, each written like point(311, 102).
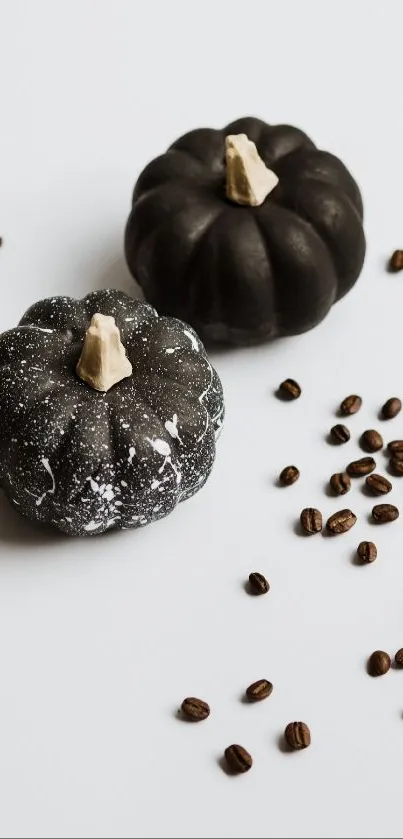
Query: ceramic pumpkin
point(108, 413)
point(248, 232)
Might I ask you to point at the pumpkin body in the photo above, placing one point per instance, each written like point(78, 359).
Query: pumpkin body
point(245, 274)
point(86, 461)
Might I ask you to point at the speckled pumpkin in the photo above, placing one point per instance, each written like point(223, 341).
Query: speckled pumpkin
point(84, 460)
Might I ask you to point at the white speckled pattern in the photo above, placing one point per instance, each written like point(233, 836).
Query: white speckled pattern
point(86, 461)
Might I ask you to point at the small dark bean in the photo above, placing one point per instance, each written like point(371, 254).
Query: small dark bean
point(378, 663)
point(360, 468)
point(289, 475)
point(339, 434)
point(340, 483)
point(259, 690)
point(297, 735)
point(371, 441)
point(395, 447)
point(383, 513)
point(311, 520)
point(351, 404)
point(396, 466)
point(396, 261)
point(195, 709)
point(378, 484)
point(238, 759)
point(399, 658)
point(391, 408)
point(258, 583)
point(290, 389)
point(367, 552)
point(341, 521)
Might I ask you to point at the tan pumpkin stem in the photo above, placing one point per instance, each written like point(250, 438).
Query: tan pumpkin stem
point(103, 361)
point(249, 181)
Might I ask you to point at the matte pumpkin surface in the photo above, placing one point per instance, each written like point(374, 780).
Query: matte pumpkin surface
point(244, 274)
point(86, 461)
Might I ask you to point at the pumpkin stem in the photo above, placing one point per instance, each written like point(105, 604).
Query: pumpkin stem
point(249, 181)
point(103, 361)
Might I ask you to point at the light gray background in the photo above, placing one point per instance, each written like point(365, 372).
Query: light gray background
point(102, 638)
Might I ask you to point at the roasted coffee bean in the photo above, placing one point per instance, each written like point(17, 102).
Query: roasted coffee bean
point(391, 408)
point(378, 484)
point(396, 466)
point(361, 467)
point(297, 735)
point(259, 690)
point(341, 522)
point(289, 475)
point(339, 434)
point(367, 551)
point(311, 520)
point(395, 447)
point(290, 389)
point(382, 513)
point(238, 759)
point(351, 404)
point(396, 261)
point(195, 709)
point(399, 658)
point(340, 483)
point(378, 663)
point(258, 583)
point(371, 441)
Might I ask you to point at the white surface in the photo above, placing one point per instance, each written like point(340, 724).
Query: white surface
point(101, 639)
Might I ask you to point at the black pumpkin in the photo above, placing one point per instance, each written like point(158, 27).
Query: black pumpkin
point(237, 273)
point(85, 460)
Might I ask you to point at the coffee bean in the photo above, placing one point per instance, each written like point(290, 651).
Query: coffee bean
point(351, 404)
point(396, 261)
point(258, 583)
point(396, 466)
point(290, 389)
point(195, 709)
point(289, 475)
point(341, 522)
point(311, 520)
point(238, 759)
point(378, 663)
point(391, 408)
point(371, 441)
point(378, 484)
point(297, 735)
point(259, 690)
point(361, 467)
point(367, 551)
point(383, 513)
point(339, 434)
point(340, 483)
point(399, 658)
point(395, 447)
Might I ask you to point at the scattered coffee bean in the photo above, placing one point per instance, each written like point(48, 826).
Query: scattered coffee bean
point(289, 475)
point(371, 441)
point(351, 404)
point(238, 759)
point(382, 513)
point(399, 658)
point(290, 389)
point(258, 583)
point(361, 467)
point(395, 447)
point(341, 521)
point(396, 466)
point(339, 434)
point(378, 484)
point(367, 551)
point(1, 241)
point(311, 520)
point(259, 690)
point(340, 483)
point(396, 261)
point(297, 735)
point(391, 408)
point(378, 663)
point(195, 709)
